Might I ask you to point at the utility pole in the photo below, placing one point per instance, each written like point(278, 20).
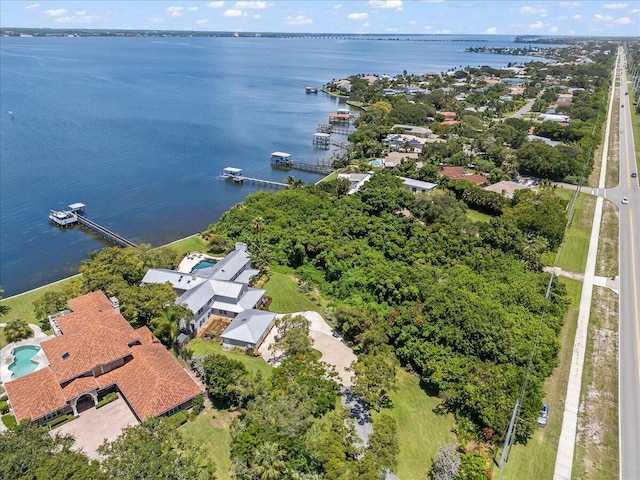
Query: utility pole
point(508, 441)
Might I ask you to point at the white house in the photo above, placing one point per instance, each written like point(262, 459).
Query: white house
point(222, 289)
point(248, 329)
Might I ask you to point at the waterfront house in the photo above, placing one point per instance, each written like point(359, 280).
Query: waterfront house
point(248, 329)
point(222, 289)
point(95, 352)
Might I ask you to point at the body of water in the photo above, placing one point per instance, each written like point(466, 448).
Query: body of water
point(139, 129)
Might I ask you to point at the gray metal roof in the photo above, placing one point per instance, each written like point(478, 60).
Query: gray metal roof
point(178, 280)
point(245, 276)
point(249, 326)
point(230, 266)
point(410, 182)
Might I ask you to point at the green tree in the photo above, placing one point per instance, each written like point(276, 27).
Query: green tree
point(153, 450)
point(383, 442)
point(293, 335)
point(222, 375)
point(374, 377)
point(17, 329)
point(268, 462)
point(29, 453)
point(4, 309)
point(446, 464)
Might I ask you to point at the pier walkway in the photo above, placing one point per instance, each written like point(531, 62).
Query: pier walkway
point(326, 169)
point(104, 232)
point(261, 181)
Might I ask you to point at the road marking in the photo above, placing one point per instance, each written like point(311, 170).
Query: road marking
point(635, 293)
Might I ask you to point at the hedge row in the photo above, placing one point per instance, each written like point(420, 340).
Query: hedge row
point(60, 420)
point(108, 398)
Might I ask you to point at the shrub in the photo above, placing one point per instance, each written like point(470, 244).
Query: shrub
point(108, 398)
point(60, 420)
point(9, 421)
point(3, 397)
point(4, 407)
point(197, 404)
point(177, 419)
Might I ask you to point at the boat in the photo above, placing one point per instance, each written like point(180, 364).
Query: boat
point(62, 218)
point(311, 90)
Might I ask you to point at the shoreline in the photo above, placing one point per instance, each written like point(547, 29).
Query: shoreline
point(46, 285)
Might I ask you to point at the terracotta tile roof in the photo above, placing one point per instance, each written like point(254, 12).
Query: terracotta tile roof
point(146, 337)
point(79, 386)
point(35, 395)
point(475, 178)
point(452, 173)
point(90, 302)
point(73, 355)
point(153, 382)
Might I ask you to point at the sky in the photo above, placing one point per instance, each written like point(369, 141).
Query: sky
point(516, 17)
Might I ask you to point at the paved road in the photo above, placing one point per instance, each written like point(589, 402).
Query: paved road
point(629, 326)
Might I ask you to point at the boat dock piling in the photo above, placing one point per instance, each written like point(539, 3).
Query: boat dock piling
point(76, 216)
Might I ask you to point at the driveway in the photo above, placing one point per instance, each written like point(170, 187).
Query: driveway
point(94, 426)
point(333, 349)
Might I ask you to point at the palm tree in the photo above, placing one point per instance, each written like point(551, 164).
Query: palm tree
point(166, 324)
point(268, 462)
point(17, 329)
point(294, 182)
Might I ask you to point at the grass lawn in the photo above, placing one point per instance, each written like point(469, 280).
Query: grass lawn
point(201, 346)
point(283, 289)
point(573, 254)
point(211, 431)
point(420, 431)
point(22, 305)
point(537, 459)
point(607, 258)
point(476, 216)
point(3, 340)
point(194, 243)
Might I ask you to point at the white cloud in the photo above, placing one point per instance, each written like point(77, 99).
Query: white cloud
point(84, 19)
point(233, 12)
point(413, 22)
point(192, 9)
point(578, 17)
point(397, 4)
point(365, 25)
point(446, 31)
point(528, 10)
point(256, 16)
point(615, 6)
point(635, 10)
point(537, 26)
point(358, 16)
point(337, 7)
point(491, 30)
point(255, 4)
point(563, 17)
point(215, 4)
point(57, 12)
point(202, 21)
point(570, 4)
point(623, 21)
point(432, 1)
point(602, 18)
point(174, 11)
point(427, 28)
point(80, 12)
point(297, 20)
point(156, 19)
point(32, 6)
point(553, 30)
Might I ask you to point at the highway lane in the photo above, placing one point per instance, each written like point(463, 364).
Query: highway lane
point(629, 301)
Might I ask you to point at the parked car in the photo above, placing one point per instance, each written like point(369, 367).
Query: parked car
point(634, 175)
point(544, 415)
point(625, 200)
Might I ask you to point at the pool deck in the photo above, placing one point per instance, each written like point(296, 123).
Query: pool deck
point(191, 260)
point(7, 358)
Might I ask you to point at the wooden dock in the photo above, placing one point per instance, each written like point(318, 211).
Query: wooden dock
point(261, 181)
point(307, 167)
point(105, 232)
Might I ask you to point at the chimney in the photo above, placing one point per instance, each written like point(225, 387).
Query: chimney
point(115, 304)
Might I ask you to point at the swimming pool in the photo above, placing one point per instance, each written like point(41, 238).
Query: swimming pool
point(375, 163)
point(203, 264)
point(22, 363)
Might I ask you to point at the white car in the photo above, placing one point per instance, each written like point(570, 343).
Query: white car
point(625, 201)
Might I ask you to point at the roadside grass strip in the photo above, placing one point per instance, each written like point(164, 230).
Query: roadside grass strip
point(573, 254)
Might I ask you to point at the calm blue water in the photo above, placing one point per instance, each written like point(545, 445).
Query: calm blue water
point(22, 363)
point(139, 129)
point(203, 264)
